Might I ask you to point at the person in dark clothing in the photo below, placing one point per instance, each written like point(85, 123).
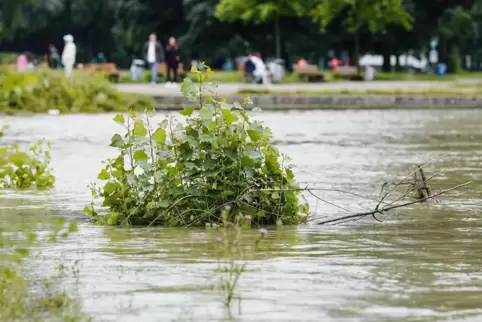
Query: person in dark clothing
point(249, 68)
point(153, 55)
point(53, 57)
point(173, 58)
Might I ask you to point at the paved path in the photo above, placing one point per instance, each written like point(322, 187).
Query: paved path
point(232, 89)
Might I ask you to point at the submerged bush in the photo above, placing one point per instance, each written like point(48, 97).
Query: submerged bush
point(183, 173)
point(23, 170)
point(45, 89)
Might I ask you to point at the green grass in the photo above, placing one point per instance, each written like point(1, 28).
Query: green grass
point(235, 77)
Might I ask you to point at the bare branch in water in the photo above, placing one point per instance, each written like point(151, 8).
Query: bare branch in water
point(385, 209)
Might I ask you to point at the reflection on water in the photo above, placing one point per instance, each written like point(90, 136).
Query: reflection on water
point(422, 264)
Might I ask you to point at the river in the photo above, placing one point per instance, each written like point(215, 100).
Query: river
point(422, 263)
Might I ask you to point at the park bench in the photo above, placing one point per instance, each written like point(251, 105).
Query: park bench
point(310, 73)
point(108, 69)
point(348, 72)
point(162, 70)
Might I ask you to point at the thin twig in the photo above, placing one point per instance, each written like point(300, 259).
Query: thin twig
point(380, 211)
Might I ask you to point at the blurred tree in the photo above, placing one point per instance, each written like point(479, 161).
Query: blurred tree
point(455, 26)
point(213, 30)
point(374, 14)
point(262, 11)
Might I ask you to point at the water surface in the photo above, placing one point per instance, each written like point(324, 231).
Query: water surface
point(422, 263)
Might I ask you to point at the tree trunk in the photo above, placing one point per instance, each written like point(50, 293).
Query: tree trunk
point(277, 34)
point(387, 65)
point(398, 65)
point(67, 22)
point(357, 52)
point(454, 62)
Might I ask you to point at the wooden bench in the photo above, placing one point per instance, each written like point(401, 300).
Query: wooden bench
point(311, 73)
point(108, 69)
point(162, 70)
point(348, 72)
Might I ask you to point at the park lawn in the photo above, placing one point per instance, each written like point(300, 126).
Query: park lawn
point(236, 77)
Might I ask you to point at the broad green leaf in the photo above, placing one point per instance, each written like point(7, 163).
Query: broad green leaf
point(289, 174)
point(248, 171)
point(260, 213)
point(103, 175)
point(119, 118)
point(138, 171)
point(229, 116)
point(206, 114)
point(159, 136)
point(113, 219)
point(186, 87)
point(110, 187)
point(206, 137)
point(255, 132)
point(139, 128)
point(253, 154)
point(117, 141)
point(187, 111)
point(140, 155)
point(20, 158)
point(163, 204)
point(164, 123)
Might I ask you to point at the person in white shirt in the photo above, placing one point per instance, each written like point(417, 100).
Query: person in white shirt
point(153, 55)
point(68, 55)
point(260, 74)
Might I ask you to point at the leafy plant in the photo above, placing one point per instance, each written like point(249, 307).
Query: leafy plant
point(42, 90)
point(23, 170)
point(183, 173)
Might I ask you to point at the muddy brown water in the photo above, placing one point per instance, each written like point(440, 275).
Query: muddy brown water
point(423, 263)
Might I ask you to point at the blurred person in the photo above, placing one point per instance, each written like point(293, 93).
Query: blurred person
point(30, 61)
point(173, 58)
point(53, 57)
point(335, 63)
point(153, 55)
point(260, 74)
point(22, 63)
point(249, 68)
point(68, 55)
point(302, 62)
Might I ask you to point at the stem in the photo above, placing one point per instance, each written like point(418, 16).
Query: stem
point(130, 146)
point(150, 137)
point(357, 52)
point(200, 91)
point(277, 33)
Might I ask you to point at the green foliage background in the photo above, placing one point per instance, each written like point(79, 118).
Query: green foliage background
point(212, 30)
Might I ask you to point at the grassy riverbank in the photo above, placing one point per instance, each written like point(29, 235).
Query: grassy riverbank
point(236, 77)
point(43, 90)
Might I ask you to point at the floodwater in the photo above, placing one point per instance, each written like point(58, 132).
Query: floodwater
point(422, 263)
